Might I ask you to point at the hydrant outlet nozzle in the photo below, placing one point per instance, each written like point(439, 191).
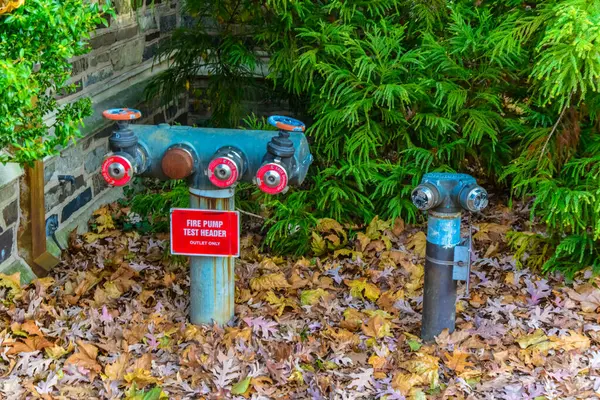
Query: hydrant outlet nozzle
point(272, 178)
point(226, 167)
point(473, 198)
point(425, 196)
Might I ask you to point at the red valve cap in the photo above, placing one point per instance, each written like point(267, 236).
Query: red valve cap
point(223, 172)
point(117, 170)
point(272, 178)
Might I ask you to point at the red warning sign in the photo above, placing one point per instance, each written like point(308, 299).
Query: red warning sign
point(205, 232)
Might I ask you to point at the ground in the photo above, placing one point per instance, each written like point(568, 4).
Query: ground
point(110, 322)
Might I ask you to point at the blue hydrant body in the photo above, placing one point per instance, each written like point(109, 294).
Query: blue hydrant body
point(445, 196)
point(212, 161)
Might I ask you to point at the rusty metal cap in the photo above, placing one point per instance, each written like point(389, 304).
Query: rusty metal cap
point(178, 163)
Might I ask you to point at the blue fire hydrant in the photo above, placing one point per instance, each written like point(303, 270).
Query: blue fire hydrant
point(448, 257)
point(212, 161)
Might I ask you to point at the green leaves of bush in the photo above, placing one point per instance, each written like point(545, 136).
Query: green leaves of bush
point(36, 42)
point(505, 90)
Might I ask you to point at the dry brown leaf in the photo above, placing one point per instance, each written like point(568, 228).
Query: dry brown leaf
point(363, 241)
point(424, 365)
point(405, 382)
point(418, 242)
point(116, 370)
point(141, 378)
point(377, 327)
point(85, 357)
point(490, 232)
point(528, 340)
point(572, 341)
point(377, 362)
point(143, 362)
point(457, 361)
point(29, 344)
point(269, 282)
point(398, 226)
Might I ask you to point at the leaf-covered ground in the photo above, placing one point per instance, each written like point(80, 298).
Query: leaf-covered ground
point(110, 322)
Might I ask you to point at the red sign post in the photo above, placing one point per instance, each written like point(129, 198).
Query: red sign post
point(205, 232)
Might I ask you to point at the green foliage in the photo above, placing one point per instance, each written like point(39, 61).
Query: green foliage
point(156, 201)
point(505, 90)
point(36, 42)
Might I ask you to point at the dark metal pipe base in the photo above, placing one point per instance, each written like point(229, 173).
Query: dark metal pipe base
point(439, 294)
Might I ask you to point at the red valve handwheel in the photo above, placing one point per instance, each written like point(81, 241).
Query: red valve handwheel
point(117, 170)
point(275, 185)
point(122, 114)
point(223, 181)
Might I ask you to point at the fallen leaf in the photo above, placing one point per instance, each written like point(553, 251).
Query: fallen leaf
point(269, 282)
point(405, 382)
point(377, 327)
point(457, 361)
point(528, 340)
point(312, 297)
point(417, 242)
point(13, 283)
point(242, 386)
point(424, 365)
point(85, 357)
point(141, 378)
point(116, 370)
point(30, 344)
point(360, 286)
point(572, 341)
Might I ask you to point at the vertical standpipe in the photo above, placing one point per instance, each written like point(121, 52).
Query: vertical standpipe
point(212, 279)
point(439, 293)
point(444, 196)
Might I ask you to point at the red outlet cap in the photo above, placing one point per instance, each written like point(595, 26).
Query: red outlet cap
point(272, 178)
point(117, 170)
point(223, 172)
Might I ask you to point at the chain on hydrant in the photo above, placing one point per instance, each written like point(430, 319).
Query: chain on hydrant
point(212, 161)
point(448, 257)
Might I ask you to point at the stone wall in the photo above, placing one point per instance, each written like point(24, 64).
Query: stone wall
point(113, 74)
point(262, 102)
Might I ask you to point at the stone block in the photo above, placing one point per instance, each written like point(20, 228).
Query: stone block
point(105, 39)
point(70, 161)
point(129, 54)
point(104, 132)
point(152, 36)
point(94, 158)
point(182, 119)
point(19, 266)
point(147, 21)
point(49, 169)
point(188, 21)
point(123, 6)
point(171, 112)
point(59, 193)
point(79, 66)
point(168, 22)
point(99, 76)
point(101, 58)
point(11, 213)
point(6, 244)
point(81, 200)
point(149, 51)
point(127, 33)
point(98, 184)
point(9, 192)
